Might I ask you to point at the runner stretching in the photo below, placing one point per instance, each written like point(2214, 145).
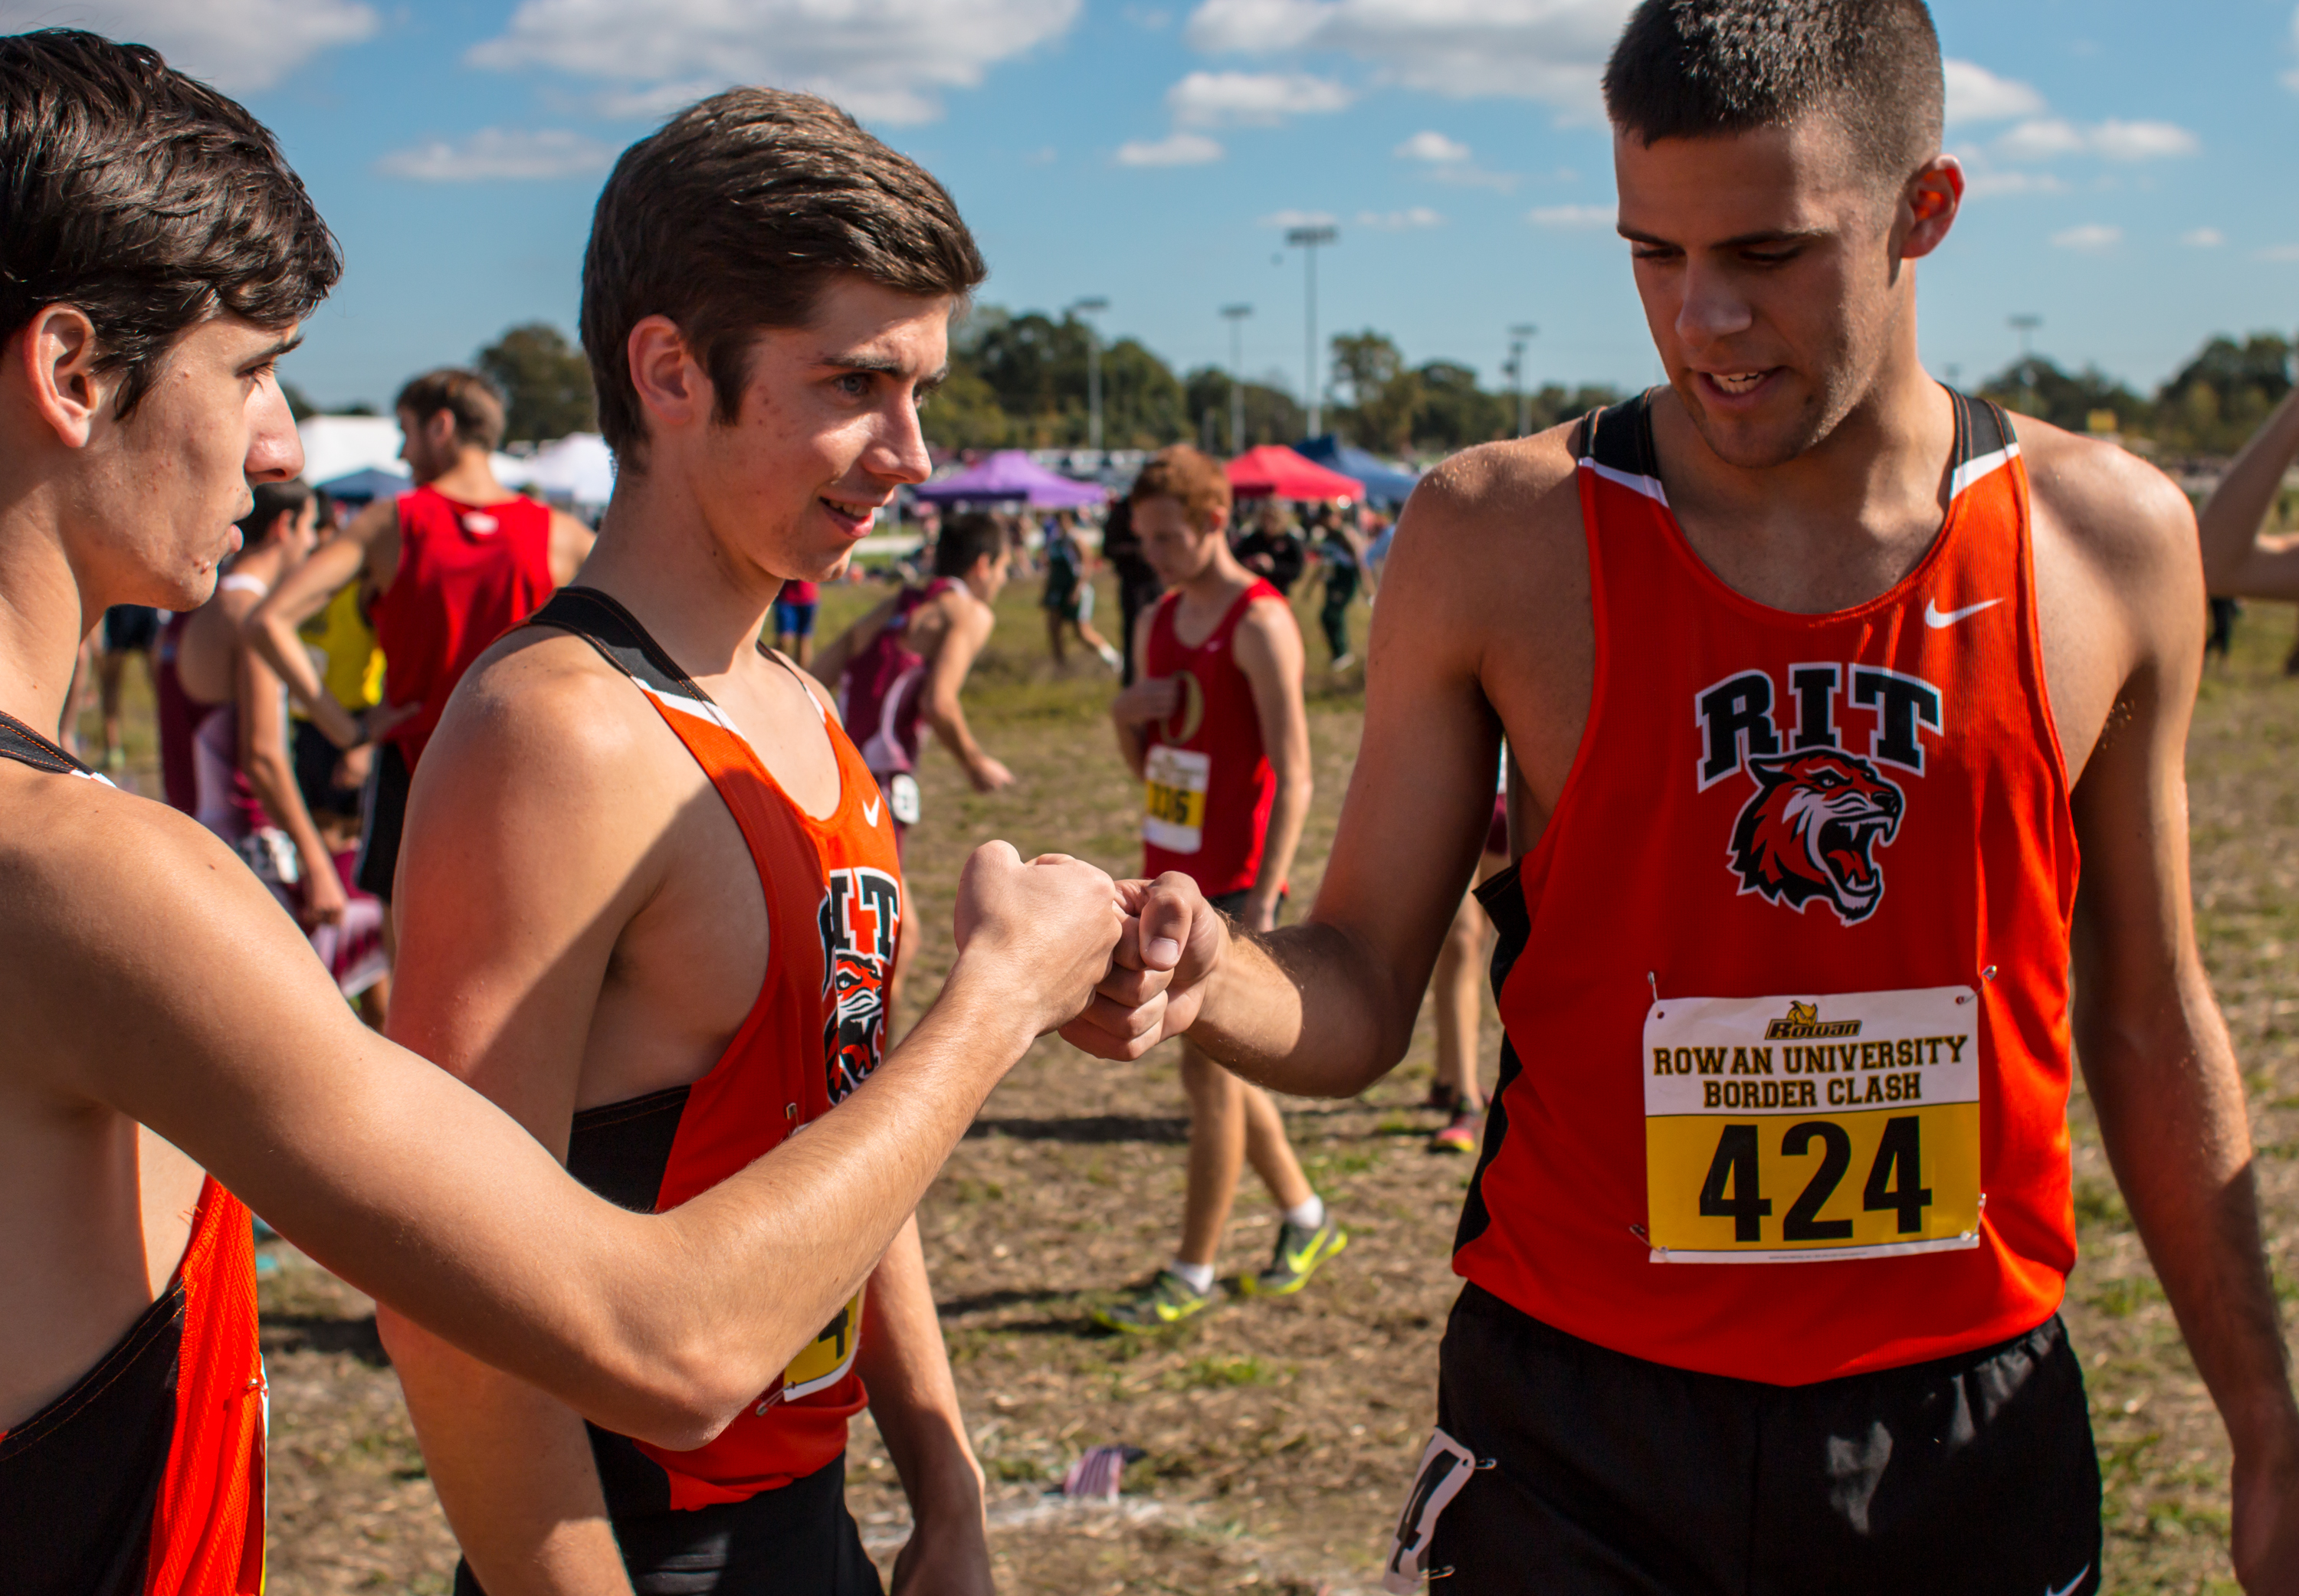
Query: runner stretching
point(173, 1046)
point(1215, 727)
point(453, 563)
point(1815, 677)
point(650, 893)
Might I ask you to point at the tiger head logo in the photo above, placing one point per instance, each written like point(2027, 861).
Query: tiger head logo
point(854, 1036)
point(1808, 831)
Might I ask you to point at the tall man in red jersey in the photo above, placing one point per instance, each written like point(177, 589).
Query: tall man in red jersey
point(1214, 728)
point(173, 1046)
point(651, 899)
point(1815, 677)
point(454, 562)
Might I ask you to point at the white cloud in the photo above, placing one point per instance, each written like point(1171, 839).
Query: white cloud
point(1299, 218)
point(2277, 251)
point(1400, 222)
point(1976, 95)
point(1572, 216)
point(239, 45)
point(2091, 237)
point(1256, 99)
point(1552, 50)
point(1433, 146)
point(500, 153)
point(2142, 141)
point(2203, 238)
point(888, 60)
point(2040, 140)
point(1981, 182)
point(1175, 149)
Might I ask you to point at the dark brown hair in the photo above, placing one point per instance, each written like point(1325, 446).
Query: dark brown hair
point(1193, 478)
point(470, 397)
point(967, 538)
point(1692, 68)
point(274, 500)
point(733, 219)
point(146, 201)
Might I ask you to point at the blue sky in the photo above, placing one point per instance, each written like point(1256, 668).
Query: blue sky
point(2134, 162)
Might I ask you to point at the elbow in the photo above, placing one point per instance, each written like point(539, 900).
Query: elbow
point(681, 1404)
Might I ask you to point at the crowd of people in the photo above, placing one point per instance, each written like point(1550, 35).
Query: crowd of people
point(1764, 716)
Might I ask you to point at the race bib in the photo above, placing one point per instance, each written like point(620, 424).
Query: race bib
point(902, 797)
point(1785, 1129)
point(823, 1361)
point(1173, 813)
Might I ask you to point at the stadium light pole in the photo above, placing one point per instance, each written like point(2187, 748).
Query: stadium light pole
point(1093, 306)
point(1520, 335)
point(2025, 324)
point(1236, 315)
point(1308, 240)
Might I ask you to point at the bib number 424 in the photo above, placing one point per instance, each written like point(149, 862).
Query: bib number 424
point(1734, 1189)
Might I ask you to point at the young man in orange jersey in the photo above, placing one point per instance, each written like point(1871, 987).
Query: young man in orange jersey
point(1815, 677)
point(651, 899)
point(453, 564)
point(1214, 728)
point(173, 1046)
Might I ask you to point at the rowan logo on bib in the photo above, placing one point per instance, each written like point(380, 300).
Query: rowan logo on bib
point(1810, 829)
point(860, 921)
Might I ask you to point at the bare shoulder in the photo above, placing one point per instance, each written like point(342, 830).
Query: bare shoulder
point(1520, 496)
point(542, 707)
point(2121, 515)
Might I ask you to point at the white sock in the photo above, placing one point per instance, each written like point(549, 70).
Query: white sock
point(1309, 1215)
point(1199, 1276)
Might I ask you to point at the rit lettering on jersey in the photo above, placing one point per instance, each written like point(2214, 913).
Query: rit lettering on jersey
point(860, 921)
point(1817, 810)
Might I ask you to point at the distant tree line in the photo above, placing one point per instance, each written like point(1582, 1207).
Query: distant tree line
point(1021, 381)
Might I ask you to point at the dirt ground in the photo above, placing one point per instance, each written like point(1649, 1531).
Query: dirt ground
point(1279, 1437)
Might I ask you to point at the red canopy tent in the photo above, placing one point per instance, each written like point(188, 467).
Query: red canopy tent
point(1274, 471)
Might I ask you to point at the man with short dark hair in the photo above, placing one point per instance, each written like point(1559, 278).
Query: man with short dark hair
point(1815, 676)
point(651, 901)
point(453, 564)
point(173, 1046)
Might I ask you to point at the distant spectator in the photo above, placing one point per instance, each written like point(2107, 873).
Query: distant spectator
point(1138, 585)
point(1068, 600)
point(1273, 550)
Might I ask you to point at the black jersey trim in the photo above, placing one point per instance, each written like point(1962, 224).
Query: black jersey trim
point(599, 620)
point(1619, 438)
point(20, 742)
point(622, 1150)
point(1503, 898)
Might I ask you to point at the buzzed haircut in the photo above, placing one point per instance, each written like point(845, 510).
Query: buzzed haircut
point(734, 218)
point(967, 538)
point(273, 500)
point(146, 201)
point(470, 397)
point(1694, 69)
point(1191, 478)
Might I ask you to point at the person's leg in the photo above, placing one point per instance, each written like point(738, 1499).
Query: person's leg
point(1055, 643)
point(1217, 1148)
point(1459, 1006)
point(1269, 1151)
point(1334, 617)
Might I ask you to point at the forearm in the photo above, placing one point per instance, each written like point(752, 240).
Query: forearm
point(2231, 519)
point(513, 1471)
point(951, 730)
point(1304, 1010)
point(1289, 812)
point(2171, 1114)
point(275, 785)
point(906, 1367)
point(1132, 745)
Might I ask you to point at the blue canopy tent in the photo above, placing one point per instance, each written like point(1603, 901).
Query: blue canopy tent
point(1384, 485)
point(364, 487)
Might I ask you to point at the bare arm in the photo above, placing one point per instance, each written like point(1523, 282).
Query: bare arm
point(1269, 652)
point(304, 593)
point(1135, 710)
point(903, 1363)
point(263, 756)
point(209, 1020)
point(830, 661)
point(2238, 561)
point(2155, 1050)
point(966, 626)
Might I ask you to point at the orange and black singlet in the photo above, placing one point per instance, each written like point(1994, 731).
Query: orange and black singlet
point(833, 893)
point(147, 1477)
point(1785, 981)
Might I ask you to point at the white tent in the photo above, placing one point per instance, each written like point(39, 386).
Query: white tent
point(338, 445)
point(579, 465)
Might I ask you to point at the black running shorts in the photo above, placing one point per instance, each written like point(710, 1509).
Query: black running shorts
point(1599, 1472)
point(383, 818)
point(798, 1541)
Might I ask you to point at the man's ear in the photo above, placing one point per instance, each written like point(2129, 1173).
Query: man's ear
point(1218, 519)
point(671, 385)
point(56, 357)
point(1928, 206)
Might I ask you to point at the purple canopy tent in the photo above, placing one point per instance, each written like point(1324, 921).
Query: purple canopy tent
point(1009, 475)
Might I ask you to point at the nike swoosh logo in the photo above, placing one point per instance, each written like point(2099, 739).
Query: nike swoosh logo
point(2068, 1588)
point(1935, 619)
point(870, 813)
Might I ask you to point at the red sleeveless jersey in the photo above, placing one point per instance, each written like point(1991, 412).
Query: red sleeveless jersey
point(878, 692)
point(467, 573)
point(1208, 785)
point(148, 1475)
point(833, 893)
point(1785, 981)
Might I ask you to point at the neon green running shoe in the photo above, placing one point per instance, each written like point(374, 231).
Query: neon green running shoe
point(1168, 1300)
point(1299, 1251)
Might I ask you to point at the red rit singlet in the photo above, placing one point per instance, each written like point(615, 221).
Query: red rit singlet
point(1208, 785)
point(878, 693)
point(1785, 981)
point(833, 895)
point(147, 1477)
point(467, 573)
